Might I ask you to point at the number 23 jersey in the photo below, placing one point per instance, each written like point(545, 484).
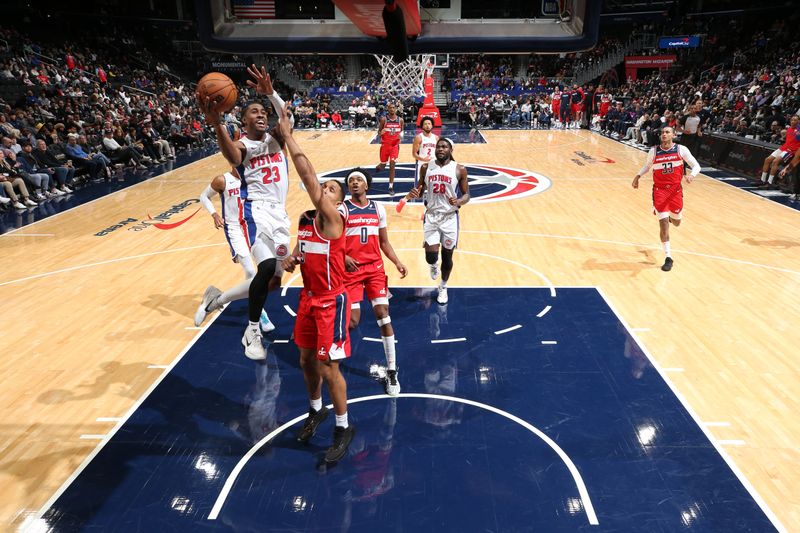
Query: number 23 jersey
point(264, 171)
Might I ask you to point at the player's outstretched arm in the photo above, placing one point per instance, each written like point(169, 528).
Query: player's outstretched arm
point(233, 151)
point(415, 147)
point(693, 164)
point(651, 156)
point(332, 220)
point(419, 190)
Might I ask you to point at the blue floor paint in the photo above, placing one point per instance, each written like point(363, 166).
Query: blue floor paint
point(13, 218)
point(420, 464)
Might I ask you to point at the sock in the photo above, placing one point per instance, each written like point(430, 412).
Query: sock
point(316, 405)
point(237, 292)
point(763, 176)
point(388, 348)
point(771, 178)
point(253, 325)
point(443, 284)
point(666, 248)
point(341, 420)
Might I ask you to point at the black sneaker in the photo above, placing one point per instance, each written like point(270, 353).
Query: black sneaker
point(341, 440)
point(667, 266)
point(392, 384)
point(315, 418)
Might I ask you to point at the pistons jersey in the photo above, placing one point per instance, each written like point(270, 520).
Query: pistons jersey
point(264, 171)
point(441, 184)
point(393, 130)
point(232, 211)
point(363, 225)
point(667, 166)
point(427, 147)
point(321, 260)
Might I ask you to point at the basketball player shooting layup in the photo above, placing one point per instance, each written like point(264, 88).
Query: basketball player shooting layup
point(260, 162)
point(667, 162)
point(442, 180)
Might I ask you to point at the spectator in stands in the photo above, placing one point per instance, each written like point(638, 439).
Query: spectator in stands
point(525, 113)
point(10, 179)
point(120, 154)
point(63, 174)
point(97, 167)
point(43, 182)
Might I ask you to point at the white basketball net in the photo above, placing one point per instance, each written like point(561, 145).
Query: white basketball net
point(405, 79)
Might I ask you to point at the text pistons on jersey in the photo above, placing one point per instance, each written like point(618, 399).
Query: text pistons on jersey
point(440, 178)
point(262, 160)
point(233, 192)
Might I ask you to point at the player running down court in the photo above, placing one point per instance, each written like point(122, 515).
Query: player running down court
point(390, 129)
point(423, 152)
point(228, 187)
point(366, 238)
point(323, 313)
point(446, 189)
point(667, 161)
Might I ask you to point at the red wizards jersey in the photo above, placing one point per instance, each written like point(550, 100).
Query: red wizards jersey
point(363, 224)
point(667, 167)
point(792, 142)
point(393, 131)
point(321, 260)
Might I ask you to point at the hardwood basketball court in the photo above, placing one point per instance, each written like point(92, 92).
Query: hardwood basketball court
point(92, 320)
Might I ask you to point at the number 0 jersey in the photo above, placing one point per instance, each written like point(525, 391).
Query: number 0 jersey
point(363, 225)
point(264, 171)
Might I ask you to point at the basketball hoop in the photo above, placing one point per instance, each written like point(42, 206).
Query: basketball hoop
point(405, 79)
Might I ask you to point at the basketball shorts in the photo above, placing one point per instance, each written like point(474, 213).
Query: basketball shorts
point(322, 325)
point(441, 229)
point(389, 152)
point(576, 108)
point(784, 156)
point(238, 243)
point(267, 226)
point(370, 278)
point(564, 113)
point(668, 202)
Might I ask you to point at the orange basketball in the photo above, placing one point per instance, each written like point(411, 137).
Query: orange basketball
point(220, 88)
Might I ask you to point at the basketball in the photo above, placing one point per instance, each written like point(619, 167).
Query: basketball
point(220, 88)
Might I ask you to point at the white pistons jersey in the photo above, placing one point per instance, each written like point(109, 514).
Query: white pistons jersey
point(441, 184)
point(427, 147)
point(264, 171)
point(232, 210)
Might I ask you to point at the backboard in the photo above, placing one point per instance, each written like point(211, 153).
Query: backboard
point(456, 26)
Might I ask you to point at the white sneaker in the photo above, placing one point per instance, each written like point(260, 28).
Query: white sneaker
point(253, 347)
point(392, 383)
point(434, 270)
point(30, 202)
point(205, 307)
point(4, 200)
point(58, 192)
point(66, 189)
point(442, 297)
point(18, 205)
point(264, 322)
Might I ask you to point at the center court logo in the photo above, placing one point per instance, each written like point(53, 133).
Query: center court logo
point(487, 183)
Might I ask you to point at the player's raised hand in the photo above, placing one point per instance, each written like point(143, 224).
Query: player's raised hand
point(207, 108)
point(284, 124)
point(261, 81)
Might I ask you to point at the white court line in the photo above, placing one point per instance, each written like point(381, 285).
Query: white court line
point(126, 189)
point(281, 341)
point(722, 452)
point(549, 342)
point(373, 339)
point(640, 329)
point(30, 234)
point(193, 327)
point(512, 328)
point(716, 424)
point(732, 442)
point(673, 369)
point(442, 341)
point(157, 366)
point(109, 419)
point(289, 310)
point(544, 311)
point(49, 503)
point(576, 476)
point(92, 437)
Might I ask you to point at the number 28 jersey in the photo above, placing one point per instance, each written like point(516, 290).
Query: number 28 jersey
point(264, 171)
point(441, 184)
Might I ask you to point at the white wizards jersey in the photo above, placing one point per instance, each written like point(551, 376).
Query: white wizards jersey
point(441, 184)
point(427, 148)
point(264, 171)
point(232, 210)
